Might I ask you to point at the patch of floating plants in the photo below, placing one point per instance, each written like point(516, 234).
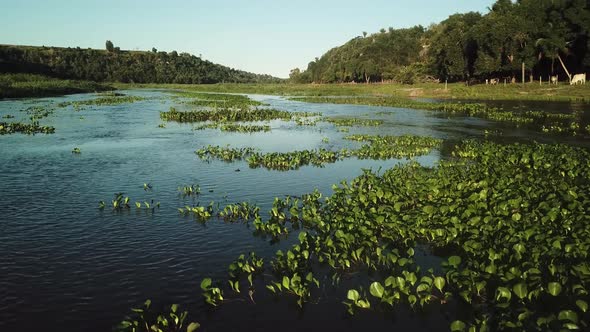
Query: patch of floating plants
point(104, 99)
point(231, 115)
point(147, 319)
point(121, 202)
point(192, 190)
point(306, 121)
point(224, 153)
point(233, 127)
point(32, 128)
point(37, 112)
point(353, 122)
point(200, 213)
point(244, 128)
point(387, 147)
point(215, 100)
point(536, 120)
point(511, 220)
point(281, 161)
point(285, 161)
point(378, 147)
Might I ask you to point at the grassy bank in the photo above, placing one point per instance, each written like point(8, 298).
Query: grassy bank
point(529, 91)
point(28, 85)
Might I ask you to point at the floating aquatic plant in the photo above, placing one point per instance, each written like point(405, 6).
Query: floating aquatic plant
point(192, 190)
point(145, 319)
point(542, 121)
point(104, 99)
point(511, 219)
point(212, 295)
point(378, 147)
point(7, 128)
point(230, 115)
point(353, 122)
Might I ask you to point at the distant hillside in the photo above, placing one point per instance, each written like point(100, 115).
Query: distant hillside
point(114, 65)
point(548, 37)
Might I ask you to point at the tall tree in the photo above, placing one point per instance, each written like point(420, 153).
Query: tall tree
point(109, 46)
point(454, 47)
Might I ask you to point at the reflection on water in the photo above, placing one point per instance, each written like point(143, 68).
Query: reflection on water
point(67, 266)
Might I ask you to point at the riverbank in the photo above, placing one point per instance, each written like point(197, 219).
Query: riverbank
point(29, 85)
point(529, 91)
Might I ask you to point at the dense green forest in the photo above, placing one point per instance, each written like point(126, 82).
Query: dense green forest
point(115, 65)
point(550, 37)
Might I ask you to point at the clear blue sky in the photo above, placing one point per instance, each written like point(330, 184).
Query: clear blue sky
point(261, 36)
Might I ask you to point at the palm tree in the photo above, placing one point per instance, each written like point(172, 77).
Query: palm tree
point(551, 47)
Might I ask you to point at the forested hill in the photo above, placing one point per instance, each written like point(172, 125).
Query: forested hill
point(115, 65)
point(539, 33)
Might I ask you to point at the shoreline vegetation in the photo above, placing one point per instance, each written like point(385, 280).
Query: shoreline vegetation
point(528, 91)
point(32, 85)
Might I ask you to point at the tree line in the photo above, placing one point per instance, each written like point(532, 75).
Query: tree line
point(115, 65)
point(545, 37)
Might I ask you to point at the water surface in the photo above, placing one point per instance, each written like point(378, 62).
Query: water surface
point(67, 266)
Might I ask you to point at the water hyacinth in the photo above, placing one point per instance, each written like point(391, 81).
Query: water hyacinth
point(511, 219)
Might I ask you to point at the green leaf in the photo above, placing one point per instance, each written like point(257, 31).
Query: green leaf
point(429, 209)
point(454, 261)
point(568, 315)
point(302, 236)
point(192, 327)
point(363, 304)
point(571, 326)
point(411, 277)
point(376, 289)
point(554, 288)
point(583, 305)
point(353, 295)
point(503, 293)
point(422, 288)
point(236, 286)
point(457, 326)
point(125, 324)
point(286, 282)
point(516, 216)
point(427, 280)
point(520, 290)
point(206, 283)
point(439, 282)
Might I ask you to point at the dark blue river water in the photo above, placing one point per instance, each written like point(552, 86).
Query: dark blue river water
point(67, 266)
